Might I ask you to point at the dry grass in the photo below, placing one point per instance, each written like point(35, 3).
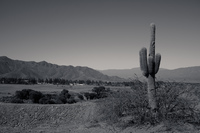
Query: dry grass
point(177, 104)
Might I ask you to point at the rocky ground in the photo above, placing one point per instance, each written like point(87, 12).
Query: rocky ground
point(64, 118)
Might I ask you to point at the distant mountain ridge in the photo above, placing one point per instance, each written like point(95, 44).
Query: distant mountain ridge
point(187, 74)
point(31, 69)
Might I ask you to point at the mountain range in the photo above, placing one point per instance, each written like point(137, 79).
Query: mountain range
point(30, 69)
point(187, 74)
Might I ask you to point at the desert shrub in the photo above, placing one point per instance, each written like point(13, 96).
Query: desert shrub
point(31, 96)
point(6, 99)
point(100, 91)
point(71, 100)
point(90, 96)
point(115, 106)
point(64, 95)
point(176, 102)
point(35, 96)
point(80, 97)
point(23, 94)
point(16, 100)
point(49, 99)
point(86, 94)
point(11, 99)
point(93, 96)
point(44, 100)
point(26, 94)
point(126, 102)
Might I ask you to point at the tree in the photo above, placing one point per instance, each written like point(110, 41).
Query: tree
point(64, 96)
point(35, 96)
point(100, 91)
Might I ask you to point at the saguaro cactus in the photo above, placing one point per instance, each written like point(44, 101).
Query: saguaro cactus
point(150, 67)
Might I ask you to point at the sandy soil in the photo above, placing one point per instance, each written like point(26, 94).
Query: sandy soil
point(35, 118)
point(75, 118)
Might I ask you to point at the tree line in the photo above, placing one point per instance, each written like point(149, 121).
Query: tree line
point(59, 81)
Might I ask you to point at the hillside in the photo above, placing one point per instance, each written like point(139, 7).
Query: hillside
point(70, 118)
point(187, 74)
point(30, 69)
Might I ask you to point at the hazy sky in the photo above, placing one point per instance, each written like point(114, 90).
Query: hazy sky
point(101, 34)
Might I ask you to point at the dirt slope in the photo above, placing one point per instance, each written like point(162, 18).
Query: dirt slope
point(34, 118)
point(75, 118)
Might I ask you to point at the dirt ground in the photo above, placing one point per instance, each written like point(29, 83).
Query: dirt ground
point(64, 118)
point(81, 117)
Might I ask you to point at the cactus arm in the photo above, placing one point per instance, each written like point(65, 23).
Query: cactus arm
point(157, 62)
point(143, 62)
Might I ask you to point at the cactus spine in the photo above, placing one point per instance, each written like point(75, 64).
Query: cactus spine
point(150, 68)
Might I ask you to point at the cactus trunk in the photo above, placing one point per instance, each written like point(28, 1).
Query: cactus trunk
point(151, 92)
point(149, 70)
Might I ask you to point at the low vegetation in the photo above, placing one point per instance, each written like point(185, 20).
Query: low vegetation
point(177, 103)
point(32, 96)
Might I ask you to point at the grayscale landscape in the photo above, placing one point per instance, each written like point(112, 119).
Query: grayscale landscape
point(99, 66)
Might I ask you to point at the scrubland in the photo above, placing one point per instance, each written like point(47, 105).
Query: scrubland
point(124, 110)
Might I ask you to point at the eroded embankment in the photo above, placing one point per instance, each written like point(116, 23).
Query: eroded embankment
point(29, 117)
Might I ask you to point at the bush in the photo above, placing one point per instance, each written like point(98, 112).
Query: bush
point(87, 95)
point(100, 91)
point(28, 95)
point(35, 96)
point(71, 100)
point(49, 99)
point(176, 103)
point(44, 100)
point(16, 100)
point(62, 98)
point(118, 104)
point(64, 95)
point(80, 97)
point(24, 94)
point(93, 96)
point(90, 96)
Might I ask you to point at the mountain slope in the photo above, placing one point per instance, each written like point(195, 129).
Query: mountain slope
point(31, 69)
point(123, 73)
point(187, 74)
